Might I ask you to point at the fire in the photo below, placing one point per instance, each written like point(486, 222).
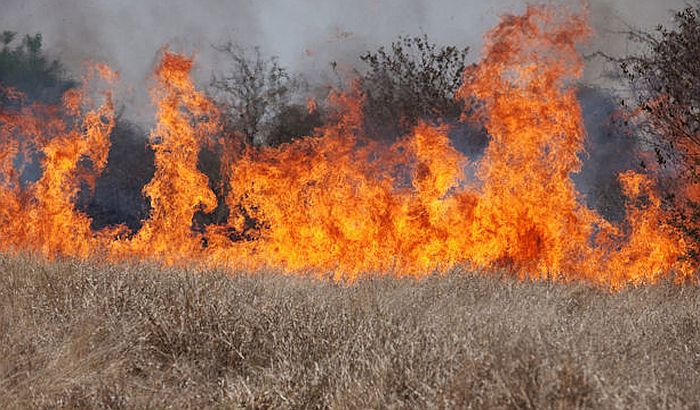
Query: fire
point(42, 216)
point(178, 188)
point(340, 202)
point(528, 215)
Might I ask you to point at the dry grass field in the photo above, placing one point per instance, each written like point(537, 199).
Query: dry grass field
point(81, 335)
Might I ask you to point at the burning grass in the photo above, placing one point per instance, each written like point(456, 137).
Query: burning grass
point(83, 334)
point(338, 201)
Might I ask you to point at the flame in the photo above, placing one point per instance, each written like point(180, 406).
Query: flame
point(178, 189)
point(42, 216)
point(311, 105)
point(340, 202)
point(528, 216)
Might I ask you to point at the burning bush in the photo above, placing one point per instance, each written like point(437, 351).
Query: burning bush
point(665, 80)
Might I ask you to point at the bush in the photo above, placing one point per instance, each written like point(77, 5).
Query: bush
point(259, 99)
point(665, 80)
point(414, 79)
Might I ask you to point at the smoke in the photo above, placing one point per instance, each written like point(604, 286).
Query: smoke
point(305, 34)
point(128, 34)
point(610, 19)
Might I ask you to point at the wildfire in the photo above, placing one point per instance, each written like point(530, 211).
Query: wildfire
point(178, 189)
point(41, 215)
point(340, 202)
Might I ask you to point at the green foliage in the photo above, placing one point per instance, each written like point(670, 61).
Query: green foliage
point(23, 66)
point(414, 79)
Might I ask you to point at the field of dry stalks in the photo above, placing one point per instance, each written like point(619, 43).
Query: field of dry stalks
point(75, 334)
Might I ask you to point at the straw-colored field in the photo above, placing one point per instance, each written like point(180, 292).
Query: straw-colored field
point(75, 334)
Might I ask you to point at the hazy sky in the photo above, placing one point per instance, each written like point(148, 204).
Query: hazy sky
point(305, 34)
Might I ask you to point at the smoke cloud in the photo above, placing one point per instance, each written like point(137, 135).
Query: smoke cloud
point(305, 34)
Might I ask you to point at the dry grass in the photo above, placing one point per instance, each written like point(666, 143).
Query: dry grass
point(81, 335)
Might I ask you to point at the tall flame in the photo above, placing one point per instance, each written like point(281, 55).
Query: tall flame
point(178, 189)
point(529, 216)
point(43, 217)
point(340, 202)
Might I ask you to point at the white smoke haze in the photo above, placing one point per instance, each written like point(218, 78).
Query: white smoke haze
point(305, 34)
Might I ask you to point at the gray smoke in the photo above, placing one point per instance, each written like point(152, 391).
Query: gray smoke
point(305, 34)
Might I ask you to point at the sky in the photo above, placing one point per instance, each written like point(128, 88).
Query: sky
point(305, 34)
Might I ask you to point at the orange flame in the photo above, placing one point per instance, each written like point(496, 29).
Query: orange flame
point(178, 189)
point(339, 202)
point(43, 217)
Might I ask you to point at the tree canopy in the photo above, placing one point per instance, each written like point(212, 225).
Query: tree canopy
point(24, 66)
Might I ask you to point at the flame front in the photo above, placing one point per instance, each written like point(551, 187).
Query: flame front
point(340, 202)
